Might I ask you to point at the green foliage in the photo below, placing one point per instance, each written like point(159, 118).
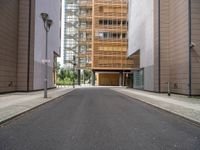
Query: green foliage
point(57, 67)
point(87, 75)
point(62, 74)
point(66, 77)
point(64, 82)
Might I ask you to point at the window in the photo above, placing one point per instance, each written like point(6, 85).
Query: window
point(138, 79)
point(110, 22)
point(105, 22)
point(119, 22)
point(124, 22)
point(123, 35)
point(114, 22)
point(100, 22)
point(105, 35)
point(118, 35)
point(114, 35)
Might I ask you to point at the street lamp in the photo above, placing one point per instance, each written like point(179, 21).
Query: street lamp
point(47, 24)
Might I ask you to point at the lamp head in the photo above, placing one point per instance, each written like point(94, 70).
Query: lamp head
point(44, 16)
point(49, 22)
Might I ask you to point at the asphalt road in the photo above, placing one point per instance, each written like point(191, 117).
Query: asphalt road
point(98, 119)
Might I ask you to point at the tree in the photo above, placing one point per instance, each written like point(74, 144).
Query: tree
point(87, 75)
point(66, 76)
point(63, 74)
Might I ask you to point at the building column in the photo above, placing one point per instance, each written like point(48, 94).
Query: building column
point(121, 78)
point(84, 77)
point(93, 77)
point(79, 76)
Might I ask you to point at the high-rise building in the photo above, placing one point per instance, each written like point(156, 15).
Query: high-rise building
point(165, 35)
point(99, 38)
point(22, 44)
point(70, 32)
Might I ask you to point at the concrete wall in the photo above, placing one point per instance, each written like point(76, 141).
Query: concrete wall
point(148, 78)
point(156, 45)
point(174, 45)
point(25, 51)
point(164, 44)
point(141, 37)
point(8, 44)
point(23, 38)
point(195, 5)
point(179, 46)
point(53, 8)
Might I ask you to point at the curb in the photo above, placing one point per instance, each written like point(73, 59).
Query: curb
point(189, 120)
point(2, 123)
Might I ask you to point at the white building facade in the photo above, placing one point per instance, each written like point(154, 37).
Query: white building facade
point(53, 8)
point(141, 41)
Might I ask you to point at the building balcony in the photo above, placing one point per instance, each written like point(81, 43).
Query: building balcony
point(121, 29)
point(116, 41)
point(111, 16)
point(83, 42)
point(85, 17)
point(85, 3)
point(85, 29)
point(113, 3)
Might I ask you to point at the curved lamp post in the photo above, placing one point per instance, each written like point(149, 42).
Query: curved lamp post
point(47, 25)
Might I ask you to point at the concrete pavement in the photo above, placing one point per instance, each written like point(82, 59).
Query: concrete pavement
point(13, 104)
point(178, 104)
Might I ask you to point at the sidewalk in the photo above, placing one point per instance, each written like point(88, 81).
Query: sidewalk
point(178, 104)
point(13, 104)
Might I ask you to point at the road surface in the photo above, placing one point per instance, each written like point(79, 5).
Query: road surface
point(98, 119)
